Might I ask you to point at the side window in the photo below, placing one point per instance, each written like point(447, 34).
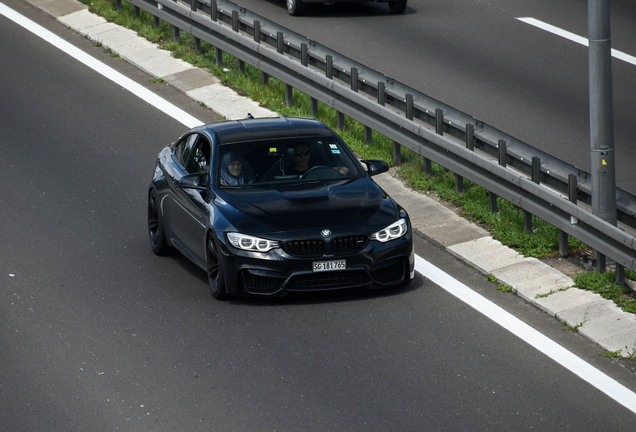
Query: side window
point(184, 148)
point(199, 158)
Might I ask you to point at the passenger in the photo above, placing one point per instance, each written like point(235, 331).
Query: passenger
point(235, 170)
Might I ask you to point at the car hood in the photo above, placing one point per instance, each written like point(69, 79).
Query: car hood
point(293, 208)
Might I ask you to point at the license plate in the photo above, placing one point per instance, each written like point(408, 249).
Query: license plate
point(320, 266)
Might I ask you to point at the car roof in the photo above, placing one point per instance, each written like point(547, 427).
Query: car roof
point(257, 129)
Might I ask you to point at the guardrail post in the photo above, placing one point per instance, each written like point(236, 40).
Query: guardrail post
point(304, 54)
point(329, 74)
point(289, 95)
point(503, 147)
point(257, 31)
point(118, 2)
point(536, 169)
point(235, 20)
point(368, 132)
point(492, 197)
point(492, 202)
point(470, 145)
point(280, 48)
point(408, 111)
point(563, 236)
point(314, 107)
point(235, 27)
point(439, 121)
point(381, 93)
point(219, 56)
point(156, 21)
point(197, 41)
point(368, 139)
point(354, 79)
point(536, 177)
point(214, 11)
point(620, 275)
point(563, 244)
point(177, 34)
point(257, 38)
point(470, 137)
point(397, 153)
point(137, 12)
point(280, 42)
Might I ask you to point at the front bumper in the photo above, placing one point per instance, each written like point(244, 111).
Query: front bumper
point(380, 264)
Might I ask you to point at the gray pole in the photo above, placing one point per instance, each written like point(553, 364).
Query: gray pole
point(601, 115)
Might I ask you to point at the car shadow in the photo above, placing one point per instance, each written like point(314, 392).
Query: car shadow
point(330, 296)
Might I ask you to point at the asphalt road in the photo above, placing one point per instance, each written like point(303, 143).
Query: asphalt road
point(476, 57)
point(96, 333)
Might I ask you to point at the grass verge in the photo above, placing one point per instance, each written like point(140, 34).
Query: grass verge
point(605, 285)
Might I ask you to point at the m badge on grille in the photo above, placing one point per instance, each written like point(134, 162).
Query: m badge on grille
point(325, 233)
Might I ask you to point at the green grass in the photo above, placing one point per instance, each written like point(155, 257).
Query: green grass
point(612, 354)
point(605, 285)
point(506, 225)
point(505, 288)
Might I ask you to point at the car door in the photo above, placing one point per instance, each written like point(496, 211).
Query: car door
point(187, 208)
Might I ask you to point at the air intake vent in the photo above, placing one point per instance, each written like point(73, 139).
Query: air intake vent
point(348, 244)
point(305, 247)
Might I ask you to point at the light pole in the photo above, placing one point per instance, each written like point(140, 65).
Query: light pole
point(602, 120)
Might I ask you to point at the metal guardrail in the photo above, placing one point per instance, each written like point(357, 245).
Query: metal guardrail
point(410, 118)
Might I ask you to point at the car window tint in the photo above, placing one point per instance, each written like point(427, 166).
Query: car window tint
point(199, 156)
point(272, 161)
point(183, 148)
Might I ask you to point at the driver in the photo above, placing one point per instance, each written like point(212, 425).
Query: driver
point(301, 161)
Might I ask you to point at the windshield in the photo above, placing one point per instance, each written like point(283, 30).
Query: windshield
point(282, 161)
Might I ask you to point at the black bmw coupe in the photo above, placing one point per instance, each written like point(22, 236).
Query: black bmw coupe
point(272, 205)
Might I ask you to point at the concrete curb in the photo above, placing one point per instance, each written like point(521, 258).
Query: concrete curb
point(598, 319)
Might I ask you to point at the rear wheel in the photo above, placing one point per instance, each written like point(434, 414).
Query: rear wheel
point(155, 226)
point(215, 270)
point(295, 7)
point(397, 7)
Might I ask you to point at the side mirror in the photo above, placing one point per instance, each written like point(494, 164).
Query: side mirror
point(194, 181)
point(375, 166)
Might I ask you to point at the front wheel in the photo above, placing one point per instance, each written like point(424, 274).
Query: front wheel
point(397, 7)
point(295, 7)
point(215, 270)
point(156, 232)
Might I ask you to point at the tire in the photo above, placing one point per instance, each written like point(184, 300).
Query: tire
point(214, 269)
point(295, 7)
point(156, 232)
point(397, 7)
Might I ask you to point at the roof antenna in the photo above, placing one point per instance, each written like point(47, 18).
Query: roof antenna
point(249, 116)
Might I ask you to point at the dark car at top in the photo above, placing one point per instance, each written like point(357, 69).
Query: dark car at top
point(298, 7)
point(271, 230)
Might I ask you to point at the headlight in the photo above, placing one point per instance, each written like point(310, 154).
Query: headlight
point(249, 243)
point(393, 231)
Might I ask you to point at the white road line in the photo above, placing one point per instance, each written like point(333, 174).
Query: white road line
point(565, 358)
point(99, 67)
point(547, 346)
point(575, 38)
